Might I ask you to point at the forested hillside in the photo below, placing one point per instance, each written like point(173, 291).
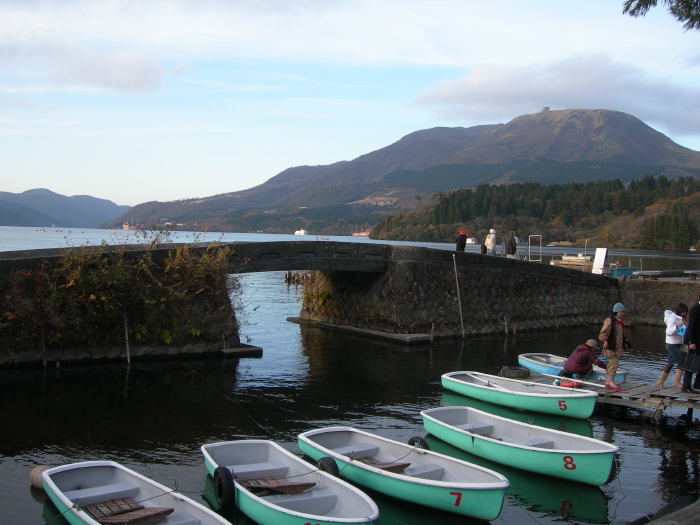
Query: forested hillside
point(653, 212)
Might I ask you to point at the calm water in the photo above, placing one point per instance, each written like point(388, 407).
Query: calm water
point(153, 417)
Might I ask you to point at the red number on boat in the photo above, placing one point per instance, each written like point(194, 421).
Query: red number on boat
point(458, 495)
point(569, 463)
point(562, 404)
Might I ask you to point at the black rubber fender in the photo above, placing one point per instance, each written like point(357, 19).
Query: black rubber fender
point(418, 442)
point(328, 464)
point(224, 491)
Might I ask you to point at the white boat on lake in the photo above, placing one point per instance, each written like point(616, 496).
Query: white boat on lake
point(100, 492)
point(407, 471)
point(525, 395)
point(272, 486)
point(528, 447)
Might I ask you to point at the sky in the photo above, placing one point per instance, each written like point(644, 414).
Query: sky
point(135, 101)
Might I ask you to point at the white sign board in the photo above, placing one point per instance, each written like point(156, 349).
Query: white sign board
point(600, 263)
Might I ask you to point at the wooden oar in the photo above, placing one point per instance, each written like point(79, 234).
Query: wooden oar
point(561, 378)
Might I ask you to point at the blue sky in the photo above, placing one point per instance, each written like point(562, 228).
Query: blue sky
point(134, 100)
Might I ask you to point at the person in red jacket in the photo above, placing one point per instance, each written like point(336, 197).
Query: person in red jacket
point(582, 359)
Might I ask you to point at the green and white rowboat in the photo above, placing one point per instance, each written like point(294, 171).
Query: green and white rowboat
point(273, 486)
point(88, 493)
point(520, 445)
point(525, 395)
point(407, 471)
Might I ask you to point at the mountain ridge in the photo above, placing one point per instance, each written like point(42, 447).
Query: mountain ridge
point(42, 207)
point(577, 143)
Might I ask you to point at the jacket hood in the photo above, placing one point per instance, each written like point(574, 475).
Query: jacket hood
point(671, 314)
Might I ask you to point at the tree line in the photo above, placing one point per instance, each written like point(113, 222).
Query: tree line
point(669, 207)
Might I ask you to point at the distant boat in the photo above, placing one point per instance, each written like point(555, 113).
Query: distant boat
point(361, 234)
point(472, 240)
point(127, 226)
point(301, 232)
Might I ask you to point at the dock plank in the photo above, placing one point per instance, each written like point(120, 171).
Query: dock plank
point(636, 395)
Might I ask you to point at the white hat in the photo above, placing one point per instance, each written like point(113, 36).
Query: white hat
point(492, 231)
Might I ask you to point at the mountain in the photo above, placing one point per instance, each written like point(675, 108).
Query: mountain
point(41, 207)
point(573, 145)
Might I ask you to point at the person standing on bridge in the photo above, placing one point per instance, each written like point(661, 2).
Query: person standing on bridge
point(511, 245)
point(490, 243)
point(692, 339)
point(614, 338)
point(461, 241)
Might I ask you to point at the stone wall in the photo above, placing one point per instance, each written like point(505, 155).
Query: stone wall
point(419, 294)
point(646, 300)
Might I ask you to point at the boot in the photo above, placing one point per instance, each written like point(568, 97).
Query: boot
point(677, 380)
point(662, 379)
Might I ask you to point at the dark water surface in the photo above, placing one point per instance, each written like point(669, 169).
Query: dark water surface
point(154, 416)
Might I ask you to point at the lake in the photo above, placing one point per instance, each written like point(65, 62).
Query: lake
point(154, 416)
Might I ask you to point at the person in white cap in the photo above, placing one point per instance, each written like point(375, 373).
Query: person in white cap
point(614, 339)
point(582, 359)
point(490, 242)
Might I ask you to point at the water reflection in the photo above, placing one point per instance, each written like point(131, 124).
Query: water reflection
point(153, 416)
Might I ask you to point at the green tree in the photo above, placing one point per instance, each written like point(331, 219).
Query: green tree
point(687, 11)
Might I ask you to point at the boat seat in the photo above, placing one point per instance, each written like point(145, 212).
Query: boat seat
point(318, 501)
point(476, 427)
point(101, 493)
point(180, 518)
point(427, 471)
point(537, 443)
point(358, 450)
point(258, 470)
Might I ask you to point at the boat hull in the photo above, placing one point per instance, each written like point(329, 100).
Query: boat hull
point(523, 395)
point(349, 505)
point(481, 499)
point(571, 457)
point(551, 364)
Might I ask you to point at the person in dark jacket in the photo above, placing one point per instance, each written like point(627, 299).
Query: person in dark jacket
point(511, 245)
point(461, 241)
point(582, 359)
point(692, 339)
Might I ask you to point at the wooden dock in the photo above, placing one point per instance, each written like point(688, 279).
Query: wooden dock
point(637, 395)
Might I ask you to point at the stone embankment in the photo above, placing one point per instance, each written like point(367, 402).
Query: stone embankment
point(425, 295)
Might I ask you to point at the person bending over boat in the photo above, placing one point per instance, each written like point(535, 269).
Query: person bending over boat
point(614, 338)
point(582, 359)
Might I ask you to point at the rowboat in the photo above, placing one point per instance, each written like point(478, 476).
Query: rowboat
point(553, 364)
point(407, 471)
point(272, 486)
point(521, 445)
point(566, 424)
point(544, 495)
point(95, 492)
point(525, 395)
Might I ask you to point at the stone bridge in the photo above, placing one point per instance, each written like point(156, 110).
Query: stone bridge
point(414, 294)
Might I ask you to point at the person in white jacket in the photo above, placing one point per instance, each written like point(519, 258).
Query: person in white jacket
point(675, 330)
point(490, 242)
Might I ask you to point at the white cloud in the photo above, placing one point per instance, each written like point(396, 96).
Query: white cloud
point(490, 92)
